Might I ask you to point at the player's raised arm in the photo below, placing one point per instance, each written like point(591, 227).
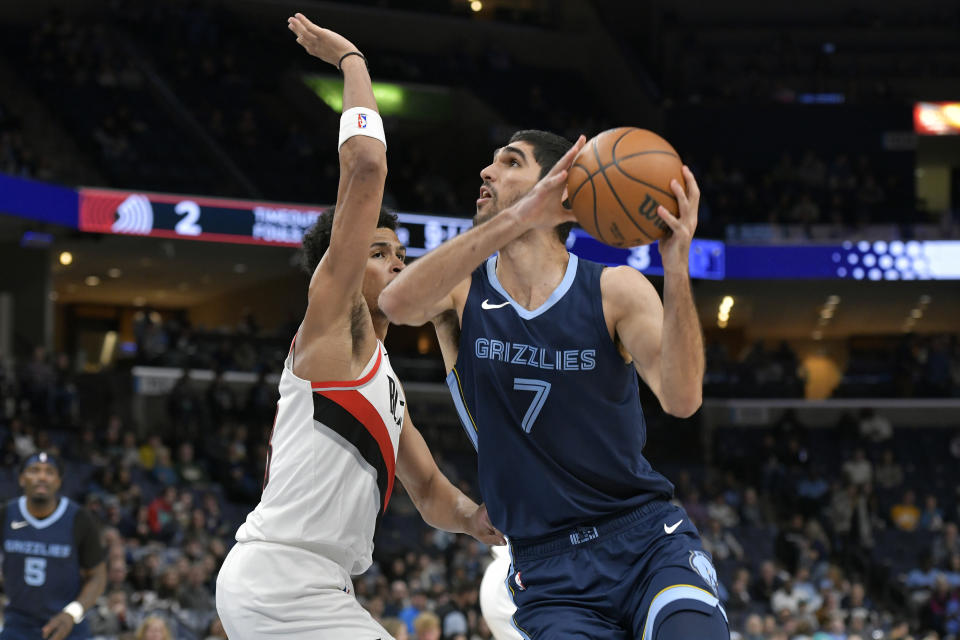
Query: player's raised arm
point(424, 288)
point(665, 341)
point(363, 171)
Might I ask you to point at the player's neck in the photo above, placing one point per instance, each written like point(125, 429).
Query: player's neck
point(41, 509)
point(531, 267)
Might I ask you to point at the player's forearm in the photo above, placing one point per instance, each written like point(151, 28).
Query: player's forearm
point(360, 152)
point(357, 86)
point(682, 357)
point(93, 587)
point(443, 506)
point(431, 278)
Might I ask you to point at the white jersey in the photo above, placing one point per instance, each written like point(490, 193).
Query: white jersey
point(330, 470)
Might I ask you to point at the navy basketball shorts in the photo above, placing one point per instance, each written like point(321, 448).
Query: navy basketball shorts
point(615, 579)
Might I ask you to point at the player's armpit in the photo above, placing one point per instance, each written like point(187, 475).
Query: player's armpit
point(634, 313)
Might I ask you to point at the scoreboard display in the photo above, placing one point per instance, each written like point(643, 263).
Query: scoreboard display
point(165, 215)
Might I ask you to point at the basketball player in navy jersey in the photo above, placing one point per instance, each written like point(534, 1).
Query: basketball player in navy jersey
point(53, 567)
point(543, 352)
point(342, 432)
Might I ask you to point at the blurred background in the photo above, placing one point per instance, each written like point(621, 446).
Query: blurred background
point(160, 160)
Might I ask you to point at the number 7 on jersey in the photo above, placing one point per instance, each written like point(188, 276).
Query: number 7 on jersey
point(541, 389)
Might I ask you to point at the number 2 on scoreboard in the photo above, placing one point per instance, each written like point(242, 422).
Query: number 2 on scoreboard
point(190, 211)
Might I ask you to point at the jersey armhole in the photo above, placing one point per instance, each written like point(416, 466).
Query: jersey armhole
point(476, 280)
point(600, 320)
point(86, 539)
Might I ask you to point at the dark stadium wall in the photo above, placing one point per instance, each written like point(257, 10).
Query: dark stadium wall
point(273, 303)
point(25, 274)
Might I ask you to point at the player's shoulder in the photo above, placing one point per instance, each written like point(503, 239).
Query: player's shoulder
point(624, 279)
point(625, 291)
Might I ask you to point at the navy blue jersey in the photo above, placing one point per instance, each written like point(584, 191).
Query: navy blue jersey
point(551, 407)
point(41, 560)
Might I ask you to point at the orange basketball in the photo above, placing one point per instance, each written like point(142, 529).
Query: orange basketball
point(616, 183)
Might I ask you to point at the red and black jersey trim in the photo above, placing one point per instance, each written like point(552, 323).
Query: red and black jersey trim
point(350, 414)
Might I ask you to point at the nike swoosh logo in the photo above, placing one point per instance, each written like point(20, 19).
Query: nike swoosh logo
point(486, 304)
point(20, 524)
point(673, 528)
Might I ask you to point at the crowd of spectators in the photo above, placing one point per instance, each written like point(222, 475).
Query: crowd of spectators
point(842, 533)
point(278, 145)
point(926, 366)
point(850, 55)
point(911, 366)
point(803, 189)
point(17, 158)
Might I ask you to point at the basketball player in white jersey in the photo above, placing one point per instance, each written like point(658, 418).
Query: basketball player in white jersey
point(342, 430)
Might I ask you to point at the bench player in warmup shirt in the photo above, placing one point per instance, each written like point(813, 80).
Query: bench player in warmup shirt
point(543, 351)
point(53, 567)
point(342, 430)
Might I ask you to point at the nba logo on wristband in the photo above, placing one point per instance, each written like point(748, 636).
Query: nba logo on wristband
point(361, 120)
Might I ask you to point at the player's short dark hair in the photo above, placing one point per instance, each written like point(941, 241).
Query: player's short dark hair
point(547, 149)
point(45, 457)
point(316, 241)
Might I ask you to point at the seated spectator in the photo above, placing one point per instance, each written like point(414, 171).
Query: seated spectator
point(791, 544)
point(722, 512)
point(767, 582)
point(396, 628)
point(751, 511)
point(942, 611)
point(753, 628)
point(739, 598)
point(163, 471)
point(946, 544)
point(720, 543)
point(923, 577)
point(112, 616)
point(905, 515)
point(931, 518)
point(859, 470)
point(953, 571)
point(427, 626)
point(154, 628)
point(889, 473)
point(189, 471)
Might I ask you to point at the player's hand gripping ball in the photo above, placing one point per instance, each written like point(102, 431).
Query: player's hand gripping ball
point(618, 180)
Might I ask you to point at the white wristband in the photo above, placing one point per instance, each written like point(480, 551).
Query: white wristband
point(75, 611)
point(360, 121)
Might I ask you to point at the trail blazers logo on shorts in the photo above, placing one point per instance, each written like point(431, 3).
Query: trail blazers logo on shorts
point(700, 562)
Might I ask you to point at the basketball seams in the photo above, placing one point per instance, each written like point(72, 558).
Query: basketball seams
point(616, 163)
point(593, 188)
point(615, 195)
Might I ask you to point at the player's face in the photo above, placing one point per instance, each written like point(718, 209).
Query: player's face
point(384, 261)
point(40, 481)
point(512, 174)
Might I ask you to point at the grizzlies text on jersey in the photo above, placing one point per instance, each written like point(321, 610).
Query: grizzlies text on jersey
point(551, 406)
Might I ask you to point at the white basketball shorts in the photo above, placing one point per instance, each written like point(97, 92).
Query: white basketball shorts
point(495, 601)
point(267, 590)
